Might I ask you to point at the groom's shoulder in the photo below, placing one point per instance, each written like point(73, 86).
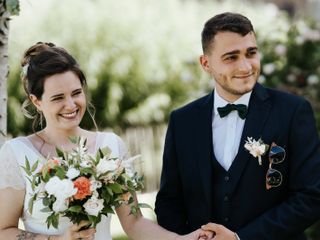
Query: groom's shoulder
point(193, 106)
point(284, 97)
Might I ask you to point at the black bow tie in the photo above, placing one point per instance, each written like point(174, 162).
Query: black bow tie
point(241, 108)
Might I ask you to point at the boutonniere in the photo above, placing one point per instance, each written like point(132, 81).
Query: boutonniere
point(257, 148)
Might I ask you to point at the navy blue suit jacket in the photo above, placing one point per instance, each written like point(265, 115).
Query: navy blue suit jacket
point(185, 200)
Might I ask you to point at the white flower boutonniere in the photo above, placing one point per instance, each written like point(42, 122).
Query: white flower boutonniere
point(257, 148)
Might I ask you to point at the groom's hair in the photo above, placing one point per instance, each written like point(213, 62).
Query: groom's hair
point(224, 22)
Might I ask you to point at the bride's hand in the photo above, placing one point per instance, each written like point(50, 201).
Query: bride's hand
point(74, 232)
point(197, 235)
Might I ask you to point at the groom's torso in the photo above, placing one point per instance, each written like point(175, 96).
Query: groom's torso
point(237, 196)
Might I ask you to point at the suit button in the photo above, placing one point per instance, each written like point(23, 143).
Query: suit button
point(226, 198)
point(226, 219)
point(227, 178)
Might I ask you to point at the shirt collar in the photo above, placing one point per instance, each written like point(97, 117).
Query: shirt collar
point(220, 102)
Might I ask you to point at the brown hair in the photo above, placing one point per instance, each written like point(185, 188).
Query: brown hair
point(41, 61)
point(224, 22)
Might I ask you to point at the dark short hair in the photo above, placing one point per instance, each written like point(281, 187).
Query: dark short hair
point(224, 22)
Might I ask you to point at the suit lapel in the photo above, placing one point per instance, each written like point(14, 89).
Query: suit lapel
point(204, 147)
point(258, 112)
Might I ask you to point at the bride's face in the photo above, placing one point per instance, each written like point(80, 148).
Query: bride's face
point(63, 101)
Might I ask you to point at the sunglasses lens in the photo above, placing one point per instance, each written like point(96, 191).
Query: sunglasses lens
point(277, 154)
point(273, 178)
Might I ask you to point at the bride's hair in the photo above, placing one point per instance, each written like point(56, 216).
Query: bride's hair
point(39, 62)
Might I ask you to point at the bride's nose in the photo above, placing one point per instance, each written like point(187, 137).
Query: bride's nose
point(70, 103)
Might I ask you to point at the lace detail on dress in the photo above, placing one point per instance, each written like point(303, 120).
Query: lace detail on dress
point(10, 171)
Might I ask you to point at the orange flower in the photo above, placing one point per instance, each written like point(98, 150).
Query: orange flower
point(83, 186)
point(51, 163)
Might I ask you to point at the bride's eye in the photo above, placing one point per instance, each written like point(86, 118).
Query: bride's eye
point(56, 99)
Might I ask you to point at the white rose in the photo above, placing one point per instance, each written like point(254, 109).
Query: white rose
point(60, 205)
point(93, 206)
point(94, 184)
point(61, 189)
point(86, 164)
point(73, 173)
point(106, 165)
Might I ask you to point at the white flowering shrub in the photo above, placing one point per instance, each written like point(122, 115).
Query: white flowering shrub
point(141, 57)
point(293, 64)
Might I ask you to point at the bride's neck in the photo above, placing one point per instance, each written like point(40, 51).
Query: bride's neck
point(59, 137)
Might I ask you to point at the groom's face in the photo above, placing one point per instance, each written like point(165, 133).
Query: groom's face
point(234, 63)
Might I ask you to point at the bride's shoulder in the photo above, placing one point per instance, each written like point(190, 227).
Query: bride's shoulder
point(107, 136)
point(14, 142)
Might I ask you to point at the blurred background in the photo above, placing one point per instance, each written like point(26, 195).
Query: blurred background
point(141, 61)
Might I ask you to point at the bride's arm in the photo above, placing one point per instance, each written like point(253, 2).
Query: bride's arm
point(11, 207)
point(139, 228)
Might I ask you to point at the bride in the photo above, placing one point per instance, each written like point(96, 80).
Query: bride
point(56, 87)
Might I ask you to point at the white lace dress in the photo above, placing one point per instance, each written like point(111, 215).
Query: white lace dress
point(12, 156)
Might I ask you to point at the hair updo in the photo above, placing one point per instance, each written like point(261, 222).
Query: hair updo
point(43, 60)
point(39, 62)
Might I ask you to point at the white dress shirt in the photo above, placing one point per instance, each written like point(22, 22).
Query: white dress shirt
point(227, 131)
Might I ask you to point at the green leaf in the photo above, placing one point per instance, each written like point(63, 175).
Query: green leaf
point(27, 171)
point(116, 187)
point(87, 170)
point(109, 190)
point(30, 204)
point(34, 166)
point(60, 153)
point(60, 173)
point(76, 209)
point(46, 201)
point(27, 164)
point(13, 7)
point(45, 210)
point(105, 151)
point(74, 139)
point(55, 221)
point(144, 205)
point(33, 183)
point(107, 209)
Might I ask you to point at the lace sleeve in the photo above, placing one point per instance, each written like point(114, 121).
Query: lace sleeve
point(10, 172)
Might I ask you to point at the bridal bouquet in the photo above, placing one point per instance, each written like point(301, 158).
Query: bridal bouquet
point(80, 186)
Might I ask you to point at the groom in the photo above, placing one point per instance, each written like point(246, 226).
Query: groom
point(209, 176)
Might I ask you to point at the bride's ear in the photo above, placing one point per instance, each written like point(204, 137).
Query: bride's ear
point(35, 101)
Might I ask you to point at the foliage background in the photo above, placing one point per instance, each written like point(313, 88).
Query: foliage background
point(141, 57)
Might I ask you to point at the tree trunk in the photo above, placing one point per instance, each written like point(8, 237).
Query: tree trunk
point(4, 69)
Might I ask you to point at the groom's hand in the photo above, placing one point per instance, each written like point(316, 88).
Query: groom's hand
point(220, 231)
point(197, 235)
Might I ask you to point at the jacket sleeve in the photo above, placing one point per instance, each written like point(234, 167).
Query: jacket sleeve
point(169, 206)
point(302, 208)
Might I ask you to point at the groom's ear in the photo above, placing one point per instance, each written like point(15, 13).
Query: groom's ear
point(204, 61)
point(35, 101)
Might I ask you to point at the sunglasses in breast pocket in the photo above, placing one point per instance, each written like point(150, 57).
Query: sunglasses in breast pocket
point(274, 177)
